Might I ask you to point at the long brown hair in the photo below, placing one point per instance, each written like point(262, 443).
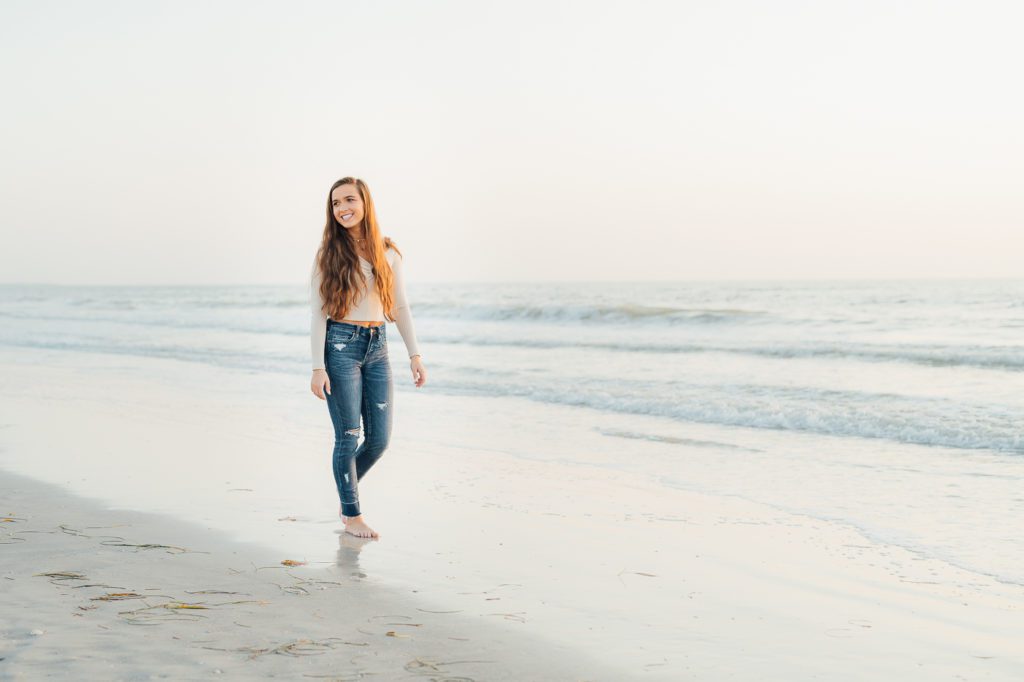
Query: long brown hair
point(341, 278)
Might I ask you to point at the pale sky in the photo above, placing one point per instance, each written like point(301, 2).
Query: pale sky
point(194, 142)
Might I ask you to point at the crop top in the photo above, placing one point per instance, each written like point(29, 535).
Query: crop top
point(367, 308)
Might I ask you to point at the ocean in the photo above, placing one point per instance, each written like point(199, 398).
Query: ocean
point(894, 407)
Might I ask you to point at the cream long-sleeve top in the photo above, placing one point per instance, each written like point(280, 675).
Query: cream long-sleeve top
point(369, 307)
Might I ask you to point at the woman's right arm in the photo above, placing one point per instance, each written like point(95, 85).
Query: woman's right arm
point(317, 337)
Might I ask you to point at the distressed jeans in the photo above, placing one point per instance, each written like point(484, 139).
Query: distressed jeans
point(356, 359)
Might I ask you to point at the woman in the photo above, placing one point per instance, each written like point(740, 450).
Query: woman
point(356, 284)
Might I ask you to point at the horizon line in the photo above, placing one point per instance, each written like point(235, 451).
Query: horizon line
point(549, 281)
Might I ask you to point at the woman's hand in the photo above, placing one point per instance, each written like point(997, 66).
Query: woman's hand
point(419, 372)
point(319, 382)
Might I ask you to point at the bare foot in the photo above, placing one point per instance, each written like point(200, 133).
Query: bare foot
point(356, 526)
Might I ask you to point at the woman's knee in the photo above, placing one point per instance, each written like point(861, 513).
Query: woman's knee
point(346, 442)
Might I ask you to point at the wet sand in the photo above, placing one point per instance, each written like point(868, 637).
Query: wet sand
point(95, 593)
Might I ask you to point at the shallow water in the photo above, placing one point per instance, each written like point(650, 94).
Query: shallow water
point(893, 407)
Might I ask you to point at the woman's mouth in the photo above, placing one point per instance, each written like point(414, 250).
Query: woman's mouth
point(345, 216)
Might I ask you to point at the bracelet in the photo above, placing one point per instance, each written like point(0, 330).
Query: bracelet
point(320, 369)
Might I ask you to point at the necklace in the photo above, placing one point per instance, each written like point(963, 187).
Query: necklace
point(359, 245)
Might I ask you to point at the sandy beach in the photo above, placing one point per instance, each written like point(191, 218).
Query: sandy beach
point(501, 555)
point(92, 593)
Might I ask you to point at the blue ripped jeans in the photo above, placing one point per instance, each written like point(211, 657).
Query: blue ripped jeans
point(356, 359)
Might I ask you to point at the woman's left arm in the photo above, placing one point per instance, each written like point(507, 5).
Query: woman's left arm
point(403, 320)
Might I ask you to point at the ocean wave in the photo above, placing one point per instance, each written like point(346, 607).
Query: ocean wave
point(235, 358)
point(185, 304)
point(588, 313)
point(987, 357)
point(902, 419)
point(253, 325)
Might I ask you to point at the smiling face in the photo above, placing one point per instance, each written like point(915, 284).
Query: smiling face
point(347, 206)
